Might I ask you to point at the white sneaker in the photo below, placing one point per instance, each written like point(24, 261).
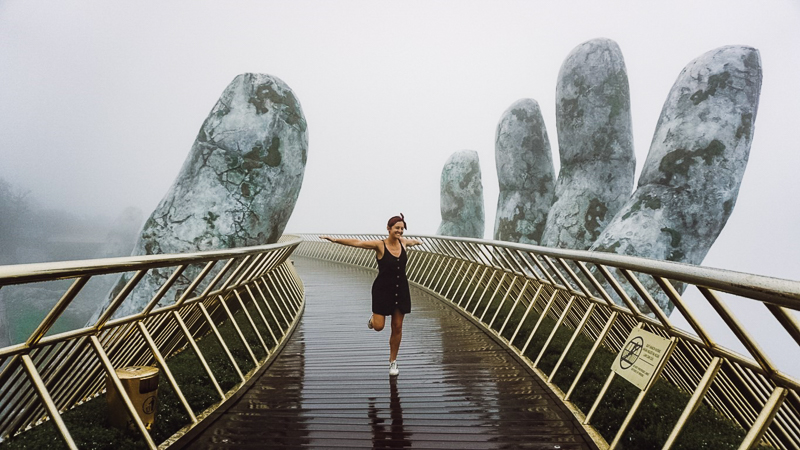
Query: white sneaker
point(393, 370)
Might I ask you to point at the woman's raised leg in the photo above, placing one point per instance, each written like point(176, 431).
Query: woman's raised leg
point(378, 322)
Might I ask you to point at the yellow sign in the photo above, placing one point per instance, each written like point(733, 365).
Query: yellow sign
point(640, 357)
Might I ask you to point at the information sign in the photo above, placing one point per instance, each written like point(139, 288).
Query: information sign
point(641, 357)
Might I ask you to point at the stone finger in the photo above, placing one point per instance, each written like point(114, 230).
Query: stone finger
point(461, 200)
point(525, 174)
point(691, 178)
point(595, 143)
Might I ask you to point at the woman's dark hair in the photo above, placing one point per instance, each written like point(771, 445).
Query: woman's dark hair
point(396, 219)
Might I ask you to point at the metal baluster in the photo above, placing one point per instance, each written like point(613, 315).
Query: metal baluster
point(555, 330)
point(502, 302)
point(764, 419)
point(575, 334)
point(491, 298)
point(694, 401)
point(609, 323)
point(165, 368)
point(199, 353)
point(252, 323)
point(237, 329)
point(44, 396)
point(483, 294)
point(261, 313)
point(466, 289)
point(269, 308)
point(477, 286)
point(221, 342)
point(514, 306)
point(525, 315)
point(459, 275)
point(539, 322)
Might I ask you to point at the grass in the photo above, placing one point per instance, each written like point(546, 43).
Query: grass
point(88, 425)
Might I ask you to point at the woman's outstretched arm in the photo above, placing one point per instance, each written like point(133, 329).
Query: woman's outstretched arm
point(411, 242)
point(375, 245)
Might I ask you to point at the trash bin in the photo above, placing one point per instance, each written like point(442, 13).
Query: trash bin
point(141, 385)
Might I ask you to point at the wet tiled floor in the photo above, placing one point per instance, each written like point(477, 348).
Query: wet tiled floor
point(330, 388)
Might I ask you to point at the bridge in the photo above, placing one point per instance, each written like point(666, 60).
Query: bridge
point(507, 346)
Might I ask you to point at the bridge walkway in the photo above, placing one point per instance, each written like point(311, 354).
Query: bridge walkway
point(330, 387)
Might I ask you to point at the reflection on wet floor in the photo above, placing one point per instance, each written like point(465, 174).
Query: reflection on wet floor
point(388, 432)
point(330, 388)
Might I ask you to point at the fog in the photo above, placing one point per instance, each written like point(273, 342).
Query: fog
point(100, 102)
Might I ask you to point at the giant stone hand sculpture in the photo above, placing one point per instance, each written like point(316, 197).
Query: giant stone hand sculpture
point(239, 183)
point(690, 180)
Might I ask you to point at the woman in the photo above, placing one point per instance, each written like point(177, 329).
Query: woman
point(390, 293)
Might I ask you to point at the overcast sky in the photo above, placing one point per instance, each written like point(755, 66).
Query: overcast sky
point(100, 101)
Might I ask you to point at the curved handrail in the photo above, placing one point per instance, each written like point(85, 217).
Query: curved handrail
point(778, 291)
point(254, 291)
point(503, 287)
point(30, 273)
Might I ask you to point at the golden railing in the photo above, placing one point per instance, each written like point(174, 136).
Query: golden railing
point(255, 289)
point(507, 288)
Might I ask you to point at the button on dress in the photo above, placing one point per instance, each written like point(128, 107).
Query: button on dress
point(390, 289)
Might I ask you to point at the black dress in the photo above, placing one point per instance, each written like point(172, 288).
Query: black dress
point(390, 289)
